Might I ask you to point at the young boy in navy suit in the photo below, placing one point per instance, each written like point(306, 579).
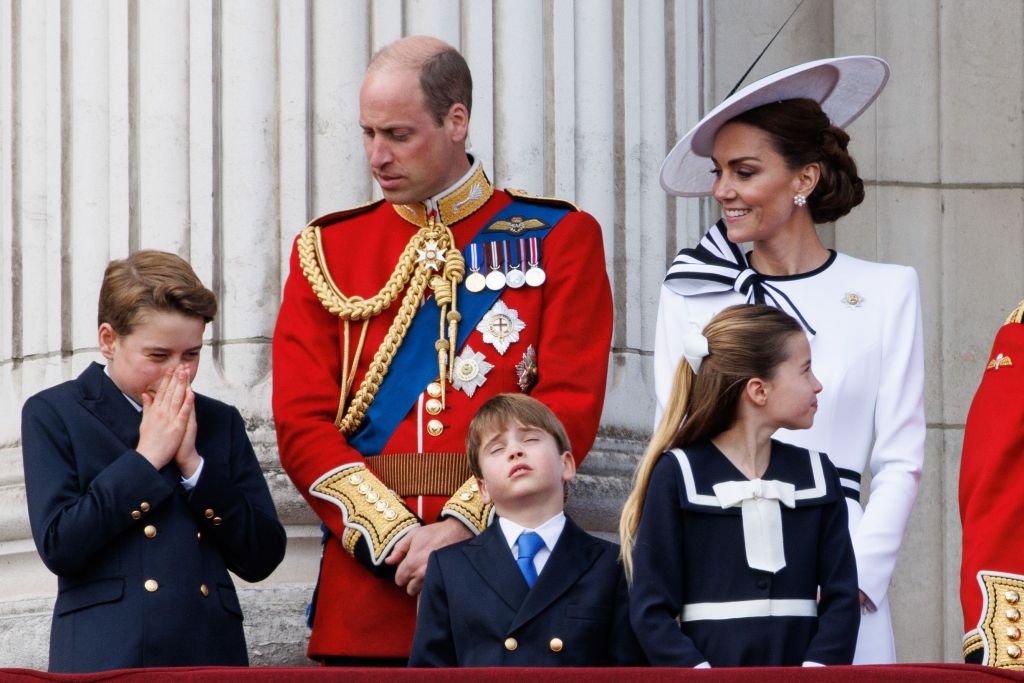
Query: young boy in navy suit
point(143, 494)
point(533, 589)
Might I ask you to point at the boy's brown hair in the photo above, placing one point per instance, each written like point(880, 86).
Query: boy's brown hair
point(503, 410)
point(151, 280)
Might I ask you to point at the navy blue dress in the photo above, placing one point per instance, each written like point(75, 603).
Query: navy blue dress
point(695, 599)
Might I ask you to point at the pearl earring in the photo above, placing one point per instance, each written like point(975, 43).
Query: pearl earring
point(800, 200)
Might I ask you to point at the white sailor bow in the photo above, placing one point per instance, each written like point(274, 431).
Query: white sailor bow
point(718, 265)
point(759, 501)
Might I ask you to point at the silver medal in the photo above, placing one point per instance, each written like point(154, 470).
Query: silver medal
point(475, 281)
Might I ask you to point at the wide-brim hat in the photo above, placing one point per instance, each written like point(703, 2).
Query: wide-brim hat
point(843, 86)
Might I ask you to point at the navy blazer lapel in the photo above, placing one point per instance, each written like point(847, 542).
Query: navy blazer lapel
point(490, 555)
point(573, 555)
point(102, 398)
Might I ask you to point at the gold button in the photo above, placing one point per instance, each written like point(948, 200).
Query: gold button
point(433, 406)
point(1013, 633)
point(466, 496)
point(474, 487)
point(1013, 614)
point(136, 514)
point(199, 535)
point(434, 428)
point(364, 489)
point(355, 479)
point(1013, 651)
point(150, 531)
point(144, 506)
point(209, 513)
point(372, 497)
point(434, 389)
point(216, 521)
point(380, 506)
point(555, 644)
point(204, 590)
point(151, 585)
point(1012, 597)
point(390, 515)
point(511, 644)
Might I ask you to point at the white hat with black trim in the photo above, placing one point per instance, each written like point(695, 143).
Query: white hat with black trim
point(843, 86)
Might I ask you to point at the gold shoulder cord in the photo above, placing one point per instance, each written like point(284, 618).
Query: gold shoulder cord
point(431, 249)
point(1017, 315)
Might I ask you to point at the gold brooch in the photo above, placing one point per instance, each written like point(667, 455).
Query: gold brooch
point(853, 299)
point(1000, 361)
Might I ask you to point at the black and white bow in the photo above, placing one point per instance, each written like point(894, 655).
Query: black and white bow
point(717, 265)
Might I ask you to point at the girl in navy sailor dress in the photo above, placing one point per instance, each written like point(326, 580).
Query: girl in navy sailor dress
point(736, 546)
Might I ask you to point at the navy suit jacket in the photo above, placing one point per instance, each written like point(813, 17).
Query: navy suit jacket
point(142, 564)
point(476, 609)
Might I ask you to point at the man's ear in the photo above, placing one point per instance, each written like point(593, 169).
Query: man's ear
point(107, 336)
point(483, 490)
point(457, 122)
point(757, 391)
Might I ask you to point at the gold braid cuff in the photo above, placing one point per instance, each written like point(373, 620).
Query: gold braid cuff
point(369, 510)
point(468, 506)
point(972, 642)
point(1017, 315)
point(1000, 626)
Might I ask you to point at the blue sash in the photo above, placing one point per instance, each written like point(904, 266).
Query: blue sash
point(415, 364)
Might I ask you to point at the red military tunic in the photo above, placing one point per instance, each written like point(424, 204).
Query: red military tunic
point(991, 505)
point(567, 322)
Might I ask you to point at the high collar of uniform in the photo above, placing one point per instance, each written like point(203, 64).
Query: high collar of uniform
point(465, 196)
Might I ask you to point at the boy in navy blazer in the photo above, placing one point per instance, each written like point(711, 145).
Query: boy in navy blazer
point(141, 493)
point(533, 589)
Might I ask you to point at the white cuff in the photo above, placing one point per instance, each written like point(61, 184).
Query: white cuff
point(703, 665)
point(811, 664)
point(191, 482)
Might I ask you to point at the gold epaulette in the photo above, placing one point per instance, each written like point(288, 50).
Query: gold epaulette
point(1000, 626)
point(337, 216)
point(369, 510)
point(467, 505)
point(536, 199)
point(1017, 315)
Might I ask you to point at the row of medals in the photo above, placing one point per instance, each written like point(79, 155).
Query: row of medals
point(501, 275)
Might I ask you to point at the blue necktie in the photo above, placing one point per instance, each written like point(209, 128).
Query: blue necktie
point(529, 543)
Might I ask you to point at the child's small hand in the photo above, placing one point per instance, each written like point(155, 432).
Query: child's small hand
point(187, 458)
point(165, 418)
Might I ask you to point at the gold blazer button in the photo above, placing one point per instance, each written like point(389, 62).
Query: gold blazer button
point(150, 531)
point(556, 644)
point(511, 644)
point(151, 585)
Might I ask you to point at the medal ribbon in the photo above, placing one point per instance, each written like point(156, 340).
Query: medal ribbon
point(534, 253)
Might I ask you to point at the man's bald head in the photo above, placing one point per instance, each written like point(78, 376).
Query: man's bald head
point(443, 73)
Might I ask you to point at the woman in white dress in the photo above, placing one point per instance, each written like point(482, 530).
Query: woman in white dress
point(774, 157)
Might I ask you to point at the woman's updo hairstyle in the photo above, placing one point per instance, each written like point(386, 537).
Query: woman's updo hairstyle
point(802, 134)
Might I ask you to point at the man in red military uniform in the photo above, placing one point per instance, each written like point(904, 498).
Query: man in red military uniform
point(398, 320)
point(992, 568)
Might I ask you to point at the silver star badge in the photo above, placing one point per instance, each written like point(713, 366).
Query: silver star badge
point(501, 326)
point(470, 371)
point(431, 254)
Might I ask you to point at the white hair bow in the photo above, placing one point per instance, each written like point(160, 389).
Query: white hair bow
point(695, 348)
